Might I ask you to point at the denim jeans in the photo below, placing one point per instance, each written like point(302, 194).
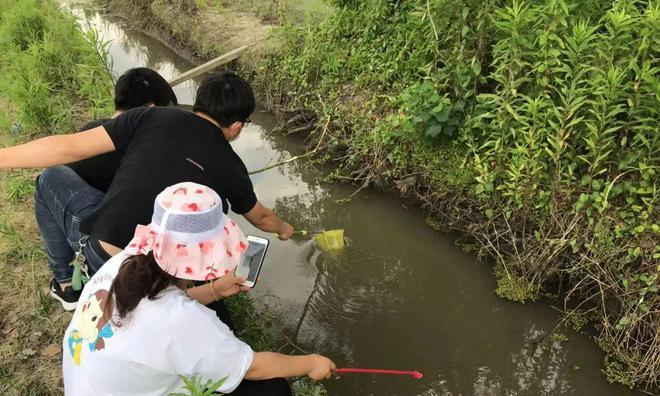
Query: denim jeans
point(62, 200)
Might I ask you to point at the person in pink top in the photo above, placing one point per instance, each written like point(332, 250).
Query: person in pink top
point(139, 328)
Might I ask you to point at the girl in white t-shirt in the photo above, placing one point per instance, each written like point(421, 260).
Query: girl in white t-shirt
point(137, 332)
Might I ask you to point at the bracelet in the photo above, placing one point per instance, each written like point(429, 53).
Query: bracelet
point(215, 297)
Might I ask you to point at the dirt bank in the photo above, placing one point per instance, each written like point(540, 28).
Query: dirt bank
point(197, 32)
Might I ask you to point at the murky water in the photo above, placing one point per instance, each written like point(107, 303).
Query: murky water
point(401, 295)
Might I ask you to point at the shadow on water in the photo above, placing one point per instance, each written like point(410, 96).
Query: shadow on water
point(400, 296)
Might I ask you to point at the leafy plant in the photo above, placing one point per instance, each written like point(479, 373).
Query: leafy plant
point(195, 386)
point(553, 106)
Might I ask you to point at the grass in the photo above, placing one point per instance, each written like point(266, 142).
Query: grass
point(50, 71)
point(20, 187)
point(51, 79)
point(31, 325)
point(268, 11)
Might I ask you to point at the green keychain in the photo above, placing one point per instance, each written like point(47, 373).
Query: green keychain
point(76, 280)
point(79, 272)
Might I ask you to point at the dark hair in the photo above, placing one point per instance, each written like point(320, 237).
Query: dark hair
point(140, 87)
point(226, 98)
point(138, 277)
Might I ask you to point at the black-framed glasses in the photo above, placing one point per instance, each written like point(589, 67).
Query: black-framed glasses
point(247, 121)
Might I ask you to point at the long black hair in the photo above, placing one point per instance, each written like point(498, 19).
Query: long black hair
point(138, 277)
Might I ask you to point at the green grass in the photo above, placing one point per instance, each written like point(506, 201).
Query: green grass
point(31, 323)
point(270, 11)
point(302, 9)
point(20, 187)
point(50, 71)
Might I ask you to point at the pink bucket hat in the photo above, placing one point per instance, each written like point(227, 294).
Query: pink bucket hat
point(189, 234)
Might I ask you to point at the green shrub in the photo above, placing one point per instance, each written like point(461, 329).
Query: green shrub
point(544, 115)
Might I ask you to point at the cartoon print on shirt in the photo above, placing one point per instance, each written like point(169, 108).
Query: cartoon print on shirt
point(92, 325)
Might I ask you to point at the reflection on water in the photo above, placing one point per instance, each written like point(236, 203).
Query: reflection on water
point(130, 49)
point(400, 295)
point(537, 371)
point(333, 300)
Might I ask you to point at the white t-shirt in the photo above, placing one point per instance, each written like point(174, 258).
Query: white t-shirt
point(154, 345)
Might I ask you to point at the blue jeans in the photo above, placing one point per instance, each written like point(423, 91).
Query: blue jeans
point(61, 200)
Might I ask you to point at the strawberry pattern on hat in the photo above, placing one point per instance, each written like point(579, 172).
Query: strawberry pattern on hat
point(190, 235)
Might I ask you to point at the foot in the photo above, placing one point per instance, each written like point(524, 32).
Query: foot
point(67, 297)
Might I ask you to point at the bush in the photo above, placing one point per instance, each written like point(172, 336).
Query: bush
point(550, 108)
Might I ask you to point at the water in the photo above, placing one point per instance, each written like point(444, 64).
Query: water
point(401, 295)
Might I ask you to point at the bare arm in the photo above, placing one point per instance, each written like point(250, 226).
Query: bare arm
point(57, 150)
point(266, 220)
point(225, 286)
point(267, 365)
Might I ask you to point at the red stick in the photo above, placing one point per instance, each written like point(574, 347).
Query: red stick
point(415, 374)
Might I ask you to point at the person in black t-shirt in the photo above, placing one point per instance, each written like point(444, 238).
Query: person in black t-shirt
point(66, 194)
point(161, 147)
point(137, 87)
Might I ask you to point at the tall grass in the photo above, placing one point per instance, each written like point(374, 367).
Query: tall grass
point(532, 125)
point(52, 79)
point(49, 70)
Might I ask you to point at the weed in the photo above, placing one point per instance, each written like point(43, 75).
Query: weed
point(552, 107)
point(20, 188)
point(514, 287)
point(12, 241)
point(558, 337)
point(303, 387)
point(576, 320)
point(196, 387)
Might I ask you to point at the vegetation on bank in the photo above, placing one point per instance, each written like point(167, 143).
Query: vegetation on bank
point(50, 71)
point(54, 78)
point(530, 125)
